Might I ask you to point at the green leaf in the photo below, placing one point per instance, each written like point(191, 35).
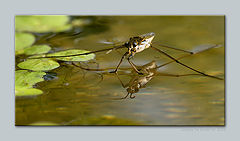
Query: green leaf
point(24, 78)
point(42, 23)
point(73, 58)
point(23, 40)
point(23, 91)
point(37, 49)
point(39, 64)
point(24, 81)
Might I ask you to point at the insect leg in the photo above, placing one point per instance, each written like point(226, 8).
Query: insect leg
point(88, 69)
point(132, 96)
point(125, 96)
point(166, 46)
point(124, 55)
point(134, 67)
point(159, 50)
point(124, 86)
point(175, 75)
point(46, 55)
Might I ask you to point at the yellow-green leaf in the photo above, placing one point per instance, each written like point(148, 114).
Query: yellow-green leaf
point(39, 64)
point(23, 91)
point(42, 23)
point(25, 78)
point(37, 49)
point(22, 41)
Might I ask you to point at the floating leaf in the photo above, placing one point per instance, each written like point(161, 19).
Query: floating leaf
point(73, 58)
point(25, 78)
point(42, 23)
point(39, 64)
point(23, 40)
point(24, 91)
point(24, 81)
point(37, 49)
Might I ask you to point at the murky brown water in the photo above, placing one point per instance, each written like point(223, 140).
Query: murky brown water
point(78, 97)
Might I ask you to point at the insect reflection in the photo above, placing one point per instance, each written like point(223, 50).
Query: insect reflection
point(137, 81)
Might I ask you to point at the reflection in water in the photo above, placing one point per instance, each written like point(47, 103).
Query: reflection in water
point(139, 81)
point(82, 26)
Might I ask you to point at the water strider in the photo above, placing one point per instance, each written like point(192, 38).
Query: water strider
point(150, 70)
point(138, 44)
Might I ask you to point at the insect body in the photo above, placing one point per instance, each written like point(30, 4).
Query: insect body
point(135, 45)
point(138, 44)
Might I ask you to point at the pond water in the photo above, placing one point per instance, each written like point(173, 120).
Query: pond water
point(79, 97)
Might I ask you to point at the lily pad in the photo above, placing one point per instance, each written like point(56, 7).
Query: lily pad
point(42, 23)
point(22, 41)
point(39, 64)
point(25, 78)
point(23, 91)
point(73, 58)
point(37, 49)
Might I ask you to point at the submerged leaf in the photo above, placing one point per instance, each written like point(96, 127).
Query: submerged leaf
point(39, 64)
point(73, 58)
point(42, 23)
point(23, 91)
point(22, 41)
point(37, 49)
point(25, 78)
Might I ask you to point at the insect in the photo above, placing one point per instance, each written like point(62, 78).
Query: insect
point(138, 44)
